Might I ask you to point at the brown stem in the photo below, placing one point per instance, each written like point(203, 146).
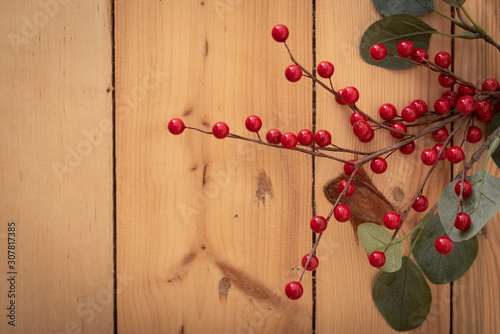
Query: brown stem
point(421, 187)
point(331, 90)
point(460, 196)
point(403, 142)
point(316, 243)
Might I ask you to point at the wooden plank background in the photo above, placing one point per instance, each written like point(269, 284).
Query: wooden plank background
point(207, 232)
point(57, 165)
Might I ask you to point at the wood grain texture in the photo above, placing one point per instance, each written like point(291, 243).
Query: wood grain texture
point(345, 279)
point(208, 231)
point(475, 302)
point(211, 230)
point(56, 180)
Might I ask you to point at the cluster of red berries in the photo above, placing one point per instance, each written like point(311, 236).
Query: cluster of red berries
point(444, 245)
point(463, 101)
point(466, 101)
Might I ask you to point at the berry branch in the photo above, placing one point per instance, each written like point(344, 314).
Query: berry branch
point(456, 108)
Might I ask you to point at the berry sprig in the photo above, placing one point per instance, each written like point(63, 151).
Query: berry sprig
point(457, 108)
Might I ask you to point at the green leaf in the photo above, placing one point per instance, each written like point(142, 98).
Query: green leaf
point(482, 205)
point(495, 123)
point(391, 30)
point(442, 269)
point(454, 3)
point(412, 7)
point(403, 297)
point(374, 237)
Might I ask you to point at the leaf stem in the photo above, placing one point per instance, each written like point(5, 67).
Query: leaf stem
point(455, 21)
point(463, 35)
point(423, 222)
point(477, 27)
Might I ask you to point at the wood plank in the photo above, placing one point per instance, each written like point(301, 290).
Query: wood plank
point(475, 302)
point(56, 179)
point(210, 230)
point(345, 279)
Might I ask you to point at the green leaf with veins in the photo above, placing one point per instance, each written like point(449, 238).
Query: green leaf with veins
point(412, 7)
point(454, 3)
point(442, 269)
point(482, 205)
point(403, 297)
point(374, 237)
point(391, 30)
point(495, 123)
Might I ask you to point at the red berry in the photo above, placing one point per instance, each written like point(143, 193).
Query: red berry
point(438, 148)
point(455, 154)
point(377, 259)
point(408, 148)
point(323, 138)
point(440, 135)
point(294, 290)
point(442, 106)
point(443, 245)
point(368, 137)
point(350, 95)
point(419, 106)
point(325, 69)
point(273, 136)
point(485, 118)
point(387, 111)
point(421, 203)
point(289, 140)
point(442, 59)
point(176, 126)
point(342, 213)
point(349, 169)
point(305, 137)
point(490, 85)
point(421, 56)
point(378, 52)
point(280, 33)
point(463, 221)
point(451, 96)
point(361, 129)
point(429, 157)
point(378, 165)
point(446, 81)
point(339, 100)
point(356, 116)
point(350, 188)
point(392, 220)
point(313, 264)
point(399, 127)
point(483, 108)
point(474, 134)
point(405, 48)
point(253, 123)
point(466, 192)
point(466, 104)
point(293, 73)
point(466, 90)
point(318, 224)
point(409, 114)
point(220, 130)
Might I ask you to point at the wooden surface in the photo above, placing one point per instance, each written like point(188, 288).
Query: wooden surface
point(207, 232)
point(475, 296)
point(345, 279)
point(56, 171)
point(211, 230)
